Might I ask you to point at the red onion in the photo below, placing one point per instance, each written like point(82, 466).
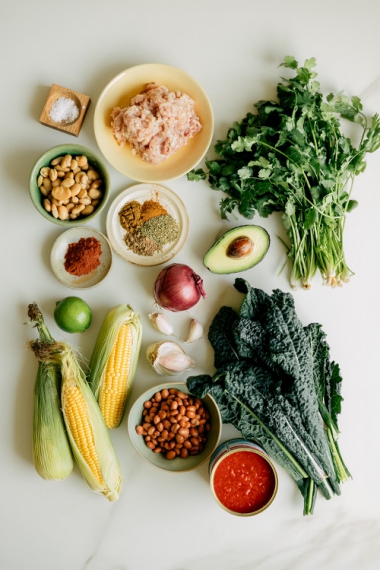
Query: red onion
point(178, 288)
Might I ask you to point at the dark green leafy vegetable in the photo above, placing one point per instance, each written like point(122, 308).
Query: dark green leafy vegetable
point(276, 384)
point(292, 157)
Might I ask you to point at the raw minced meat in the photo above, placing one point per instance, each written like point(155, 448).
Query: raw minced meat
point(156, 123)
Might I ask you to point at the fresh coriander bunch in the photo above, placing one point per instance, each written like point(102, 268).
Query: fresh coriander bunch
point(292, 157)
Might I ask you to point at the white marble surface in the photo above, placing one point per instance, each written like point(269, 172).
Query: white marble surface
point(164, 521)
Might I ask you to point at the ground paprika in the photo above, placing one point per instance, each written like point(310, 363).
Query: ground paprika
point(83, 256)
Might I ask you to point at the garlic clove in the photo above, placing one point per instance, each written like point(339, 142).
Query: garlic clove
point(161, 324)
point(195, 331)
point(168, 358)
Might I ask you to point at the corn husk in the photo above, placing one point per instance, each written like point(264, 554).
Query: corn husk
point(51, 449)
point(52, 455)
point(118, 316)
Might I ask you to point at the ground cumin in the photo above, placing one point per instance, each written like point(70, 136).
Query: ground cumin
point(82, 256)
point(130, 216)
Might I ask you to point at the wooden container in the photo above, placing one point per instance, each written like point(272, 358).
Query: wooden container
point(81, 101)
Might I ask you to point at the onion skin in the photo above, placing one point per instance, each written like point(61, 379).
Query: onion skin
point(178, 288)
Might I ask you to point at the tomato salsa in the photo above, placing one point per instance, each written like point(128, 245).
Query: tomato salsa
point(244, 482)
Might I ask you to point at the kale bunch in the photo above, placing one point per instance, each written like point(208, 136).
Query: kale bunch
point(276, 384)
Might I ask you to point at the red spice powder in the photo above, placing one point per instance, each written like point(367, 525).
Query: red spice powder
point(82, 256)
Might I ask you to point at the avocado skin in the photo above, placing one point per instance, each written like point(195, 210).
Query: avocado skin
point(217, 261)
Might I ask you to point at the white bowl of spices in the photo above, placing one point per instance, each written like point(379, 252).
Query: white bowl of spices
point(81, 257)
point(147, 224)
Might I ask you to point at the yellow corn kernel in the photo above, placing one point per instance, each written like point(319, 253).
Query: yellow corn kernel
point(114, 388)
point(75, 410)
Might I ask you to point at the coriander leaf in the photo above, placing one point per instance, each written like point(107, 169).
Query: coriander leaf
point(290, 208)
point(289, 61)
point(356, 103)
point(310, 63)
point(246, 208)
point(228, 169)
point(264, 173)
point(227, 205)
point(244, 173)
point(243, 143)
point(352, 204)
point(196, 175)
point(311, 218)
point(214, 165)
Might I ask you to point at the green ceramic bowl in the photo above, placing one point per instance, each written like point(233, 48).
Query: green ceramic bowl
point(61, 150)
point(177, 465)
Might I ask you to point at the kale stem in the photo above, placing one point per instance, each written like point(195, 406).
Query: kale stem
point(278, 442)
point(341, 470)
point(309, 498)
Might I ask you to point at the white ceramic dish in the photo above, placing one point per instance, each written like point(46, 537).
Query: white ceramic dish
point(141, 192)
point(119, 92)
point(58, 252)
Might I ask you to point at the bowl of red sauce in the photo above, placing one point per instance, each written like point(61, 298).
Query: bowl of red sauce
point(242, 477)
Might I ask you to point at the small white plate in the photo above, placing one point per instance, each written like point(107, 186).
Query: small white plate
point(59, 250)
point(141, 192)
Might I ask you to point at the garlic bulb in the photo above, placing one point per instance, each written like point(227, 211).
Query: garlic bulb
point(168, 358)
point(161, 324)
point(195, 331)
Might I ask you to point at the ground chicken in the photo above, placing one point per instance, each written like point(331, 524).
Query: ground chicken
point(156, 123)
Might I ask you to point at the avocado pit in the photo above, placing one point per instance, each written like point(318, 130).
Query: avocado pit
point(240, 247)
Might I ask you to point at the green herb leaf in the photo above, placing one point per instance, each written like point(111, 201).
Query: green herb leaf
point(289, 61)
point(352, 204)
point(196, 175)
point(310, 219)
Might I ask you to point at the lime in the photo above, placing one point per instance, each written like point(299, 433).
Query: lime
point(72, 315)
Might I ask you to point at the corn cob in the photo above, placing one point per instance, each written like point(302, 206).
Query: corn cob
point(86, 430)
point(113, 362)
point(51, 449)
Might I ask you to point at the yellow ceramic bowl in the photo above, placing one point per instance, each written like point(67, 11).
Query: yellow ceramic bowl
point(119, 92)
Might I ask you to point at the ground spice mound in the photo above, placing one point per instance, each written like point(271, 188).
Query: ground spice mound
point(142, 245)
point(130, 216)
point(161, 229)
point(82, 256)
point(151, 209)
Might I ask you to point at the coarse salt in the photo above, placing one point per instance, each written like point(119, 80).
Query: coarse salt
point(64, 110)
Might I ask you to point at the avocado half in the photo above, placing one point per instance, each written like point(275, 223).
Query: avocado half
point(237, 250)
